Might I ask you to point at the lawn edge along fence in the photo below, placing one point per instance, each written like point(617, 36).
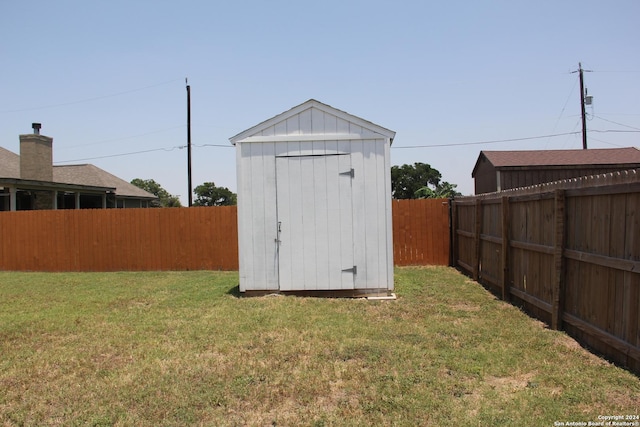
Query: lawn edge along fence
point(567, 252)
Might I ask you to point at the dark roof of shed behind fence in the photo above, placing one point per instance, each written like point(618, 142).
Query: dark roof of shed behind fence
point(538, 158)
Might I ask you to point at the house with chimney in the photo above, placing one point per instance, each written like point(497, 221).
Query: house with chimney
point(504, 170)
point(30, 181)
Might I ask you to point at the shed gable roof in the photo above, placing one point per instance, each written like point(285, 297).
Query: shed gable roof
point(542, 158)
point(310, 120)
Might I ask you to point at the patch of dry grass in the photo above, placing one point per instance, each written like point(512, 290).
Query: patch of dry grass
point(182, 349)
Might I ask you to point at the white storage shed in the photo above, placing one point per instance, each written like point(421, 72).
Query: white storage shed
point(314, 203)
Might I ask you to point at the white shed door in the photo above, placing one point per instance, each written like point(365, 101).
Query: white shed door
point(315, 222)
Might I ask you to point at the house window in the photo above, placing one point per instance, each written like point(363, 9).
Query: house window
point(5, 200)
point(66, 200)
point(91, 201)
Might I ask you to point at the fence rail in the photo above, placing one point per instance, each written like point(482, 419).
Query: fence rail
point(568, 252)
point(197, 238)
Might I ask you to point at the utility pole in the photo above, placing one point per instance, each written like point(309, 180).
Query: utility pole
point(189, 140)
point(582, 104)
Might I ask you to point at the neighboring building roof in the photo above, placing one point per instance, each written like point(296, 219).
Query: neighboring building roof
point(87, 174)
point(312, 103)
point(9, 164)
point(541, 158)
point(80, 175)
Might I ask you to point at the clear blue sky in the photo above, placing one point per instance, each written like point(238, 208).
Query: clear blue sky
point(107, 78)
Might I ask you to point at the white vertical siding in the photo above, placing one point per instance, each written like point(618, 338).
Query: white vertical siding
point(245, 231)
point(257, 222)
point(359, 213)
point(375, 231)
point(304, 120)
point(369, 199)
point(280, 128)
point(372, 215)
point(388, 213)
point(316, 122)
point(293, 125)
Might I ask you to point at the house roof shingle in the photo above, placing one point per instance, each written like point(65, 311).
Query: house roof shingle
point(83, 175)
point(9, 164)
point(87, 174)
point(599, 156)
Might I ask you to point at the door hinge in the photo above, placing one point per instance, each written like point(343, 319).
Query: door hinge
point(353, 270)
point(351, 172)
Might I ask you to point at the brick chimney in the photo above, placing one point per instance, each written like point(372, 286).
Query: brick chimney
point(36, 156)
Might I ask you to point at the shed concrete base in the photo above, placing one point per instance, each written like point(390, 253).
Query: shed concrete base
point(372, 294)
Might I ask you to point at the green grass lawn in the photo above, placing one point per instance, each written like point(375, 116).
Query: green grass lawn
point(181, 348)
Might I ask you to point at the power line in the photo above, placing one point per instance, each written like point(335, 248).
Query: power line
point(614, 71)
point(394, 147)
point(514, 139)
point(607, 142)
point(615, 131)
point(215, 145)
point(486, 142)
point(122, 154)
point(615, 123)
point(122, 138)
point(555, 126)
point(180, 147)
point(80, 101)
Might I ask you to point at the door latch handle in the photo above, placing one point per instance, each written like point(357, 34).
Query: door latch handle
point(277, 239)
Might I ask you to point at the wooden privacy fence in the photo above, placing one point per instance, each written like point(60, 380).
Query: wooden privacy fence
point(568, 252)
point(421, 232)
point(197, 238)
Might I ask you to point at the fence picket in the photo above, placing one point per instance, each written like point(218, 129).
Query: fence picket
point(180, 238)
point(573, 256)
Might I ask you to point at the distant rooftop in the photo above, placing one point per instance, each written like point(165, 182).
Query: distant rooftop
point(84, 174)
point(598, 156)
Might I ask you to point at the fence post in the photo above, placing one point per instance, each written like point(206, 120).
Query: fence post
point(476, 237)
point(506, 293)
point(453, 224)
point(559, 243)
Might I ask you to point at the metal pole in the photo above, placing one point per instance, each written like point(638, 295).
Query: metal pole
point(584, 119)
point(189, 141)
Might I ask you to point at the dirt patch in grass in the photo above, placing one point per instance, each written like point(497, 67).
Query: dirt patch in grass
point(466, 307)
point(506, 386)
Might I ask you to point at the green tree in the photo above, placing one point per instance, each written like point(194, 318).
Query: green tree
point(165, 200)
point(419, 181)
point(444, 190)
point(208, 194)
